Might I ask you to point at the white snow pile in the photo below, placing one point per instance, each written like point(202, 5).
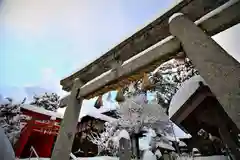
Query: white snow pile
point(158, 153)
point(79, 158)
point(148, 155)
point(151, 140)
point(187, 88)
point(124, 134)
point(145, 142)
point(202, 158)
point(182, 144)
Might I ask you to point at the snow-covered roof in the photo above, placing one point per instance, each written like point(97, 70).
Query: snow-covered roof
point(182, 144)
point(100, 116)
point(161, 144)
point(184, 93)
point(40, 110)
point(94, 113)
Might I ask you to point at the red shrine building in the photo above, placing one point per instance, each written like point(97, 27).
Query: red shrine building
point(40, 128)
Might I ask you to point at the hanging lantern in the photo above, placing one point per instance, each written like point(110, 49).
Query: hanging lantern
point(120, 97)
point(99, 102)
point(131, 88)
point(145, 83)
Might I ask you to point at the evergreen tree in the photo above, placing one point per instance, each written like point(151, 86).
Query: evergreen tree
point(47, 101)
point(169, 76)
point(10, 118)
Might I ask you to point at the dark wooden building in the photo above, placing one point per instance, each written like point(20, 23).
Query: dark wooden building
point(195, 108)
point(92, 122)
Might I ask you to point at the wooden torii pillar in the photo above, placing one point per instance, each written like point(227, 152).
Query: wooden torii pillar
point(63, 146)
point(216, 66)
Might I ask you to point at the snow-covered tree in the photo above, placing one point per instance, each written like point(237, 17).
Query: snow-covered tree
point(107, 141)
point(137, 117)
point(49, 101)
point(10, 118)
point(165, 80)
point(168, 77)
point(134, 114)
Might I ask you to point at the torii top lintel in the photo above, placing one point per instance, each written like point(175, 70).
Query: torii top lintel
point(148, 36)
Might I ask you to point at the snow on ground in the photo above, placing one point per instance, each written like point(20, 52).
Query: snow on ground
point(184, 93)
point(85, 158)
point(204, 158)
point(147, 155)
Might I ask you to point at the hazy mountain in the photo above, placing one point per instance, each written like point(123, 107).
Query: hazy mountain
point(18, 93)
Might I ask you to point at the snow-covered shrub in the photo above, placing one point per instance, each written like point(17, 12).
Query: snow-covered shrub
point(107, 141)
point(48, 101)
point(10, 118)
point(135, 116)
point(135, 113)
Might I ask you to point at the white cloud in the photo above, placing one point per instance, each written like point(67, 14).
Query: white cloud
point(89, 27)
point(49, 83)
point(76, 19)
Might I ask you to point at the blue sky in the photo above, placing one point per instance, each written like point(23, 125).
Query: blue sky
point(42, 41)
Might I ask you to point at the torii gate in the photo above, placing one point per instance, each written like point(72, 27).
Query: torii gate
point(154, 44)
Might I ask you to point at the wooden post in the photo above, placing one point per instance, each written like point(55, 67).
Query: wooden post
point(63, 145)
point(124, 149)
point(226, 137)
point(135, 145)
point(216, 66)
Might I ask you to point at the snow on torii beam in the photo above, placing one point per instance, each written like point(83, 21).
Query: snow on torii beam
point(216, 21)
point(141, 40)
